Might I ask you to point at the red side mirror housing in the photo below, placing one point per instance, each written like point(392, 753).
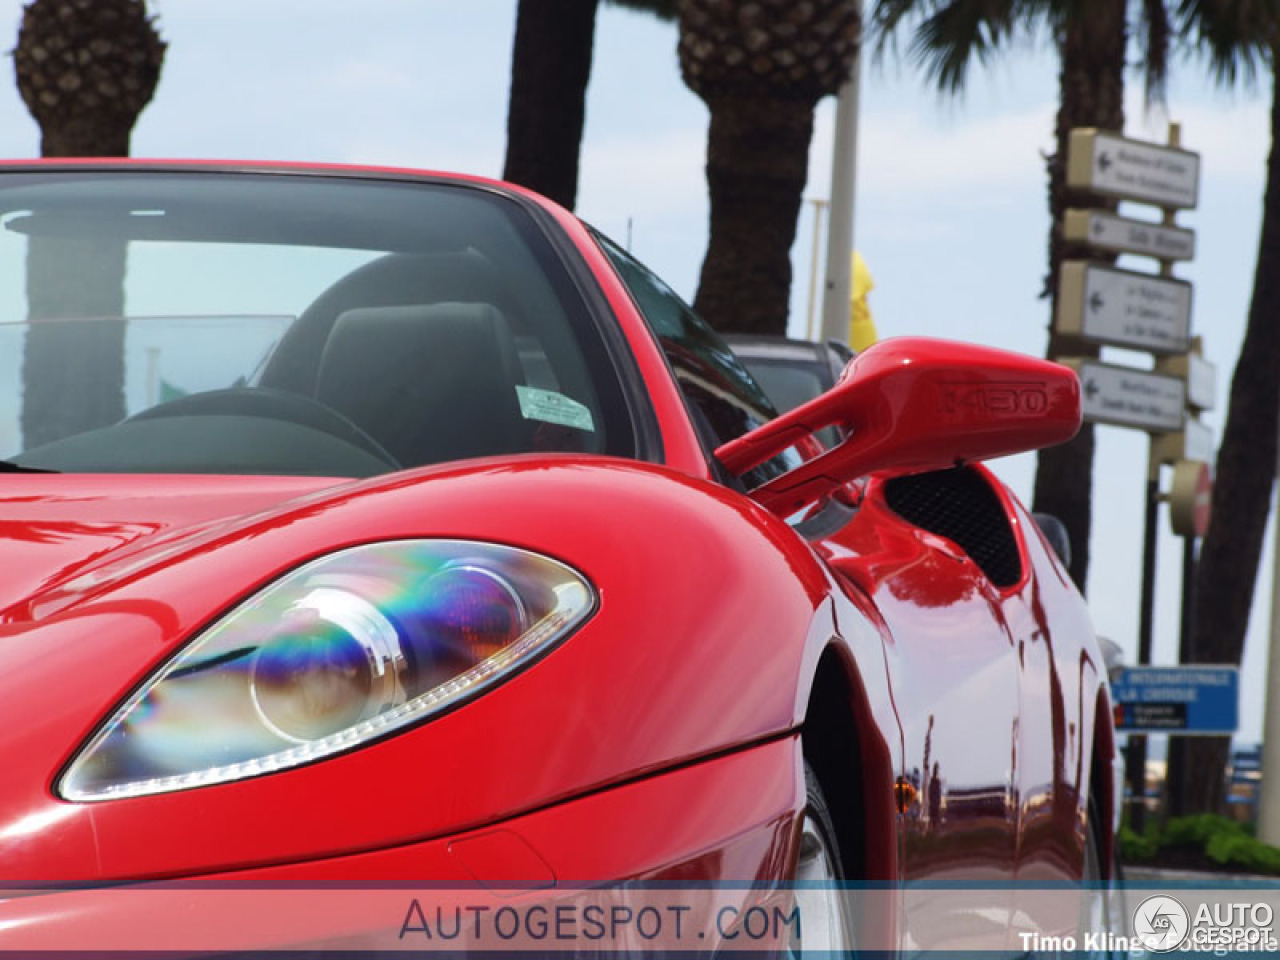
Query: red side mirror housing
point(913, 404)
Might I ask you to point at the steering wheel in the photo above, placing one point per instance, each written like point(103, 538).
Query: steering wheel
point(272, 405)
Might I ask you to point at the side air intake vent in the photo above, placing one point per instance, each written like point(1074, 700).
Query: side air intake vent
point(960, 505)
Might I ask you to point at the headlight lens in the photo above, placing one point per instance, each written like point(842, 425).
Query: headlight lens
point(342, 650)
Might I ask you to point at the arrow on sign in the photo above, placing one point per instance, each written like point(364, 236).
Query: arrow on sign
point(1104, 161)
point(1101, 304)
point(1090, 388)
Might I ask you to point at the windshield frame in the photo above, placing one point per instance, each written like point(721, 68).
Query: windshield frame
point(555, 252)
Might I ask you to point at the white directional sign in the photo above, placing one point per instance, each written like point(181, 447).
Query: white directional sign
point(1200, 374)
point(1106, 231)
point(1129, 398)
point(1125, 309)
point(1115, 166)
point(1195, 441)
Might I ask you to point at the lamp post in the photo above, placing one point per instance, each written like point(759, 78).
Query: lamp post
point(838, 288)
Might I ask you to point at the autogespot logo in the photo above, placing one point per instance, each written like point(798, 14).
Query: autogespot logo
point(1161, 923)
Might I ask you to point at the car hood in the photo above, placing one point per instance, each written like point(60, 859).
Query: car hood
point(56, 531)
point(118, 573)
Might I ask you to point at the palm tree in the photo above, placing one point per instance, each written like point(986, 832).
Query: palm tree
point(85, 69)
point(948, 37)
point(761, 66)
point(1238, 37)
point(550, 69)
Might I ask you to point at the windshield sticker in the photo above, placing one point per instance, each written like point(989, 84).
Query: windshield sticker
point(551, 407)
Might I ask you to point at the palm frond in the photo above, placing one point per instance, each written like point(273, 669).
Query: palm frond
point(888, 19)
point(1154, 34)
point(1236, 37)
point(662, 9)
point(959, 33)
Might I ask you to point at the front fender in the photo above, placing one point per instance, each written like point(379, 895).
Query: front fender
point(711, 612)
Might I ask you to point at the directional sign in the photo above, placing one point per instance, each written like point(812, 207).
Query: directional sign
point(1106, 231)
point(1191, 498)
point(1129, 398)
point(1101, 304)
point(1195, 699)
point(1115, 166)
point(1195, 441)
point(1200, 374)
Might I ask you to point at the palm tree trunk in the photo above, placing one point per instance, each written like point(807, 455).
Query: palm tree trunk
point(550, 68)
point(757, 163)
point(73, 361)
point(1091, 86)
point(87, 136)
point(1241, 493)
point(86, 72)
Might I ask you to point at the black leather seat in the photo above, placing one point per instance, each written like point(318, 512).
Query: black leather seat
point(396, 279)
point(430, 383)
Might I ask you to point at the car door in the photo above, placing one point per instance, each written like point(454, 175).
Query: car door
point(1060, 678)
point(925, 549)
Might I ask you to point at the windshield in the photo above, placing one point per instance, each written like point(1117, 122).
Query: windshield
point(286, 324)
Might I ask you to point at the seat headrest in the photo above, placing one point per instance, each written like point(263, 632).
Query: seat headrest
point(430, 383)
point(393, 280)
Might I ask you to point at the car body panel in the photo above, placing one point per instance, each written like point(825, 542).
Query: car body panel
point(363, 900)
point(537, 750)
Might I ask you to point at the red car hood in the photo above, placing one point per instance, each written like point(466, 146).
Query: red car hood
point(56, 528)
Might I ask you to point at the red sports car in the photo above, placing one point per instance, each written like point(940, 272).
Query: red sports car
point(370, 528)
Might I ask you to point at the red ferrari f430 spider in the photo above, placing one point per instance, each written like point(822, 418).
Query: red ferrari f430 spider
point(373, 529)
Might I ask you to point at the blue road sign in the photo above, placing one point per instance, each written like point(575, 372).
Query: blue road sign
point(1194, 699)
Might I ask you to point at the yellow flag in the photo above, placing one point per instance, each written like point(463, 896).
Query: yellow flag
point(862, 328)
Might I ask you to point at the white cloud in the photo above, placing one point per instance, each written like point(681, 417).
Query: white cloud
point(654, 176)
point(916, 156)
point(1232, 138)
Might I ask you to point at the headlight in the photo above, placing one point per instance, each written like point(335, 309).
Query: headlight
point(342, 650)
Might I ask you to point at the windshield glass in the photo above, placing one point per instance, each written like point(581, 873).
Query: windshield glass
point(286, 324)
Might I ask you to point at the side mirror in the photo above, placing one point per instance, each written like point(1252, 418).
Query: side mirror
point(912, 405)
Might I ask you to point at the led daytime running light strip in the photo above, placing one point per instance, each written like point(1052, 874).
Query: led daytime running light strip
point(573, 603)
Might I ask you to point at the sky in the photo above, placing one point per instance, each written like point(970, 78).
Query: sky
point(951, 210)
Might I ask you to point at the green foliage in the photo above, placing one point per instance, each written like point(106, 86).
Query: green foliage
point(1216, 839)
point(1137, 847)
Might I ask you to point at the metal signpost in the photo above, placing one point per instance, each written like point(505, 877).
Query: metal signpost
point(1115, 234)
point(1101, 306)
point(1130, 398)
point(1108, 164)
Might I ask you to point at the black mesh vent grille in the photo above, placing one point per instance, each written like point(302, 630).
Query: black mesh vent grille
point(959, 504)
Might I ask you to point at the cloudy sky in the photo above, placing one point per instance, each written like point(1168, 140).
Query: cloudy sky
point(951, 208)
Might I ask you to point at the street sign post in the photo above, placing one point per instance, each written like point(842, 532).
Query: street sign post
point(1194, 699)
point(1191, 498)
point(1200, 374)
point(1115, 234)
point(1125, 169)
point(1195, 441)
point(1099, 306)
point(1126, 397)
point(1104, 305)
